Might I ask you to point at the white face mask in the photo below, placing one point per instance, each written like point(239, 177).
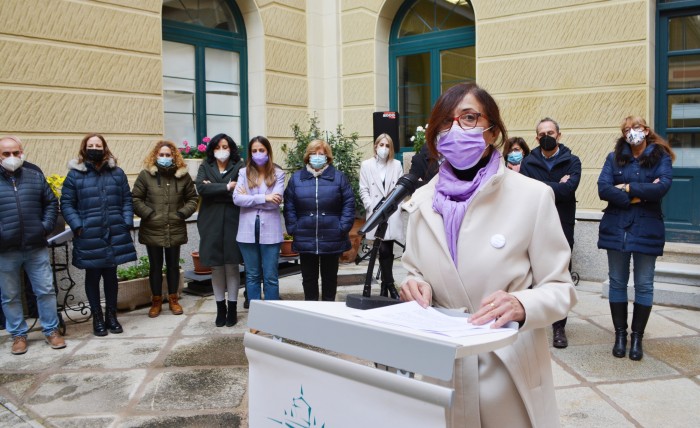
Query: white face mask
point(635, 137)
point(383, 152)
point(222, 155)
point(12, 163)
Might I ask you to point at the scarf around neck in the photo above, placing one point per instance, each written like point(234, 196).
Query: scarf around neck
point(453, 196)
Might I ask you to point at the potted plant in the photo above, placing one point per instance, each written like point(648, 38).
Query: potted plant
point(286, 247)
point(56, 184)
point(194, 156)
point(134, 286)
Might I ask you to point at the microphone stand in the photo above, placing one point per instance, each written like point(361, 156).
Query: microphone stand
point(365, 300)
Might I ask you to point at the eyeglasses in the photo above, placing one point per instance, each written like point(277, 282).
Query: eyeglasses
point(16, 154)
point(465, 121)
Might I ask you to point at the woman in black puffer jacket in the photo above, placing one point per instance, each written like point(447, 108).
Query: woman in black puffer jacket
point(96, 203)
point(319, 210)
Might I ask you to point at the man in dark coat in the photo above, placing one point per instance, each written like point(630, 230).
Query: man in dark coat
point(28, 210)
point(553, 164)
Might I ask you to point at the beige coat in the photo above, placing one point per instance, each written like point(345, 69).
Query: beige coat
point(373, 189)
point(512, 386)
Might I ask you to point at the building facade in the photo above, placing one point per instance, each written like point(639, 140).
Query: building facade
point(141, 70)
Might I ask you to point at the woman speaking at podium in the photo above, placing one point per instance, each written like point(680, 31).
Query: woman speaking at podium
point(488, 240)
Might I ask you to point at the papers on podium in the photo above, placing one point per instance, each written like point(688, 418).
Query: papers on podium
point(411, 315)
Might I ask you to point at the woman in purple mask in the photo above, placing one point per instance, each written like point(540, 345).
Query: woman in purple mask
point(463, 250)
point(259, 194)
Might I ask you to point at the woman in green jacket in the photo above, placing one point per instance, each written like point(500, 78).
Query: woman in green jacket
point(164, 196)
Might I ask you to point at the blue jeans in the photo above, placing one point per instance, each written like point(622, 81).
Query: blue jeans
point(36, 264)
point(261, 263)
point(619, 273)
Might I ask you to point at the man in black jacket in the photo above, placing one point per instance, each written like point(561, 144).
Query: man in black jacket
point(553, 164)
point(28, 210)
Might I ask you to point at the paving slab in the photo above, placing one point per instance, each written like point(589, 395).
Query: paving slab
point(38, 356)
point(207, 351)
point(82, 422)
point(675, 401)
point(681, 353)
point(17, 383)
point(143, 326)
point(590, 304)
point(595, 363)
point(99, 353)
point(658, 326)
point(690, 319)
point(562, 377)
point(80, 394)
point(582, 332)
point(214, 388)
point(583, 408)
point(229, 420)
point(203, 325)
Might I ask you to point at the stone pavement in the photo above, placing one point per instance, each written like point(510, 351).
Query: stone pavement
point(183, 371)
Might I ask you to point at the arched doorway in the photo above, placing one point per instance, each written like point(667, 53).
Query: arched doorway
point(204, 70)
point(431, 48)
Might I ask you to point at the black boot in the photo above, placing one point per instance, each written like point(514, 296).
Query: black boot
point(111, 321)
point(559, 339)
point(640, 317)
point(383, 291)
point(618, 311)
point(391, 288)
point(246, 303)
point(220, 313)
point(232, 316)
point(98, 323)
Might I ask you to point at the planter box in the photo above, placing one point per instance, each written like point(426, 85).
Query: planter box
point(137, 292)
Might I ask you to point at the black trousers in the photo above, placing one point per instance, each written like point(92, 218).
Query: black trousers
point(386, 261)
point(155, 275)
point(92, 287)
point(328, 264)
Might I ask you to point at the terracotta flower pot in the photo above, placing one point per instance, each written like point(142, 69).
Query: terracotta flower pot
point(355, 241)
point(286, 248)
point(198, 268)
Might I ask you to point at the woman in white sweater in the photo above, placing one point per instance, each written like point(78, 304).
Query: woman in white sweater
point(378, 177)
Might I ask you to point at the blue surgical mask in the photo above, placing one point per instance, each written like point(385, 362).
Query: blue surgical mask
point(318, 161)
point(515, 158)
point(165, 162)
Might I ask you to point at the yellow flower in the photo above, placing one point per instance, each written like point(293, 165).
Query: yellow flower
point(56, 183)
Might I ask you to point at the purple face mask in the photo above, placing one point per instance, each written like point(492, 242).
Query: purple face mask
point(260, 159)
point(462, 148)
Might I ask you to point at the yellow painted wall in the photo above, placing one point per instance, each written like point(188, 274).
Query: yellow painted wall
point(585, 63)
point(73, 67)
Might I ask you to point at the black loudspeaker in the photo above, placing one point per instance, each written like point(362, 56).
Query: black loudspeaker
point(387, 122)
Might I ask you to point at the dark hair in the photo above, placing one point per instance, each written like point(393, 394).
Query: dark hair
point(449, 100)
point(515, 141)
point(251, 170)
point(547, 119)
point(211, 147)
point(82, 153)
point(623, 159)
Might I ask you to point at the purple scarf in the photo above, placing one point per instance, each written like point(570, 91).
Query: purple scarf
point(453, 196)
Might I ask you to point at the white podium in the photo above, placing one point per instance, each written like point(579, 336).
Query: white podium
point(290, 385)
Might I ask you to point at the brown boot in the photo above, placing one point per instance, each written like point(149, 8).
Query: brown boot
point(156, 306)
point(174, 306)
point(19, 345)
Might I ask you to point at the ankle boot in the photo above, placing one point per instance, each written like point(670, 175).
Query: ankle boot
point(175, 307)
point(618, 310)
point(156, 306)
point(392, 291)
point(246, 302)
point(383, 291)
point(640, 317)
point(98, 323)
point(220, 313)
point(111, 321)
point(232, 315)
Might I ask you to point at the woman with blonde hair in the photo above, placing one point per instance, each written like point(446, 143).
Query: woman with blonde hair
point(96, 203)
point(378, 177)
point(635, 178)
point(259, 194)
point(319, 210)
point(164, 197)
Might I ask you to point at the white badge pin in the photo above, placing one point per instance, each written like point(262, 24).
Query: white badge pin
point(498, 241)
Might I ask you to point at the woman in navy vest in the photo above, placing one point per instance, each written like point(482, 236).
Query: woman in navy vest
point(634, 179)
point(319, 210)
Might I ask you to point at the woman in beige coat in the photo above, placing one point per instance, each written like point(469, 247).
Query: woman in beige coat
point(495, 262)
point(378, 177)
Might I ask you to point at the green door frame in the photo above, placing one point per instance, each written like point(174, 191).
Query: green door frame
point(202, 38)
point(681, 205)
point(431, 43)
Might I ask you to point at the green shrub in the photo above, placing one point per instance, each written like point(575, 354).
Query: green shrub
point(138, 270)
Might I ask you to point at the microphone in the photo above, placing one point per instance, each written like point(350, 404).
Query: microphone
point(404, 187)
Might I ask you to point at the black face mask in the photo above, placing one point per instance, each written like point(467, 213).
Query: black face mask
point(95, 155)
point(548, 143)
